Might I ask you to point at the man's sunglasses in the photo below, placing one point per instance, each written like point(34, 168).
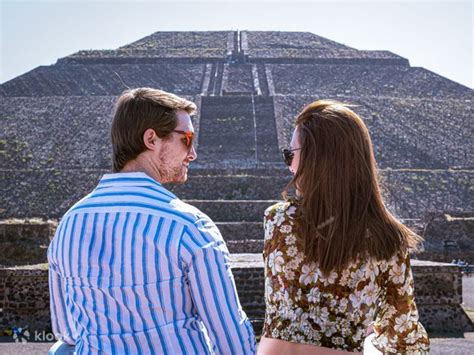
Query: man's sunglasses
point(187, 139)
point(288, 155)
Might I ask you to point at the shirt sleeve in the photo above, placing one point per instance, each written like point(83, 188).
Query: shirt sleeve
point(213, 289)
point(61, 319)
point(396, 326)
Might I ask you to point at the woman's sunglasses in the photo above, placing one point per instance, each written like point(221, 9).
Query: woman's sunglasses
point(187, 139)
point(288, 155)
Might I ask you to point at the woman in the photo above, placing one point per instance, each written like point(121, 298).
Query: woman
point(336, 260)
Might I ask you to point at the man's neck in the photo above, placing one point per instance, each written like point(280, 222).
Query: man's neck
point(138, 165)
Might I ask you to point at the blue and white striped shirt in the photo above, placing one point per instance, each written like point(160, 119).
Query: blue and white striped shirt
point(134, 270)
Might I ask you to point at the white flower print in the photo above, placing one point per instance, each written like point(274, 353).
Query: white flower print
point(370, 315)
point(290, 239)
point(383, 266)
point(314, 295)
point(266, 213)
point(276, 261)
point(359, 334)
point(298, 258)
point(371, 271)
point(338, 341)
point(344, 326)
point(279, 219)
point(309, 273)
point(391, 311)
point(402, 323)
point(356, 299)
point(411, 337)
point(317, 337)
point(381, 341)
point(356, 277)
point(292, 264)
point(292, 251)
point(289, 274)
point(345, 277)
point(269, 227)
point(268, 287)
point(320, 315)
point(369, 294)
point(329, 328)
point(329, 279)
point(299, 294)
point(397, 273)
point(343, 305)
point(285, 228)
point(286, 298)
point(275, 333)
point(406, 289)
point(298, 338)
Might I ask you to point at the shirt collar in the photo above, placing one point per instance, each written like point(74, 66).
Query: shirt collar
point(131, 179)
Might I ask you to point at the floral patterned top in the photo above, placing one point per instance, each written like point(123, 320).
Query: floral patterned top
point(305, 306)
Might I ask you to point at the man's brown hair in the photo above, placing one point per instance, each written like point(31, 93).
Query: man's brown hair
point(341, 214)
point(138, 110)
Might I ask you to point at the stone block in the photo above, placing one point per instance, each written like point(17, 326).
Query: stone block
point(25, 241)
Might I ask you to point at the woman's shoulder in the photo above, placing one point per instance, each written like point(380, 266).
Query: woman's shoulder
point(281, 209)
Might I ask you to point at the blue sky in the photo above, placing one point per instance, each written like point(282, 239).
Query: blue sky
point(435, 35)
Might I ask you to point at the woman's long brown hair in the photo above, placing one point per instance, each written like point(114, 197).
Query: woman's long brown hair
point(341, 215)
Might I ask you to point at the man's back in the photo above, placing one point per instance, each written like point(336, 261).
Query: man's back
point(136, 270)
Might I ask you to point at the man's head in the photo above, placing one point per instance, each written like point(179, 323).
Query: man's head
point(152, 132)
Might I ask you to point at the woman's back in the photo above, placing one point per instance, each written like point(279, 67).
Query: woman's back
point(334, 310)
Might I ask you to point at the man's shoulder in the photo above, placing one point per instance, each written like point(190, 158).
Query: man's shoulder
point(192, 213)
point(200, 224)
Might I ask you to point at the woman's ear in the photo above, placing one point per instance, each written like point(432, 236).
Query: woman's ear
point(150, 139)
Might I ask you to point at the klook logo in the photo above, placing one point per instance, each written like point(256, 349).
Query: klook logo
point(21, 334)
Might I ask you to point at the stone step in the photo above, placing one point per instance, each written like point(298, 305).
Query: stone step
point(226, 129)
point(242, 237)
point(238, 187)
point(233, 210)
point(241, 231)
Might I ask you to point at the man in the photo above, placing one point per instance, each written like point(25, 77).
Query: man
point(135, 270)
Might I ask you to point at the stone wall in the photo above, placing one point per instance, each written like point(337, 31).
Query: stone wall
point(449, 236)
point(24, 297)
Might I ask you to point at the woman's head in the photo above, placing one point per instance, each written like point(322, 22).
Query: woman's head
point(341, 212)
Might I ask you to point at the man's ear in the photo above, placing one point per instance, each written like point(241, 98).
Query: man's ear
point(151, 140)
